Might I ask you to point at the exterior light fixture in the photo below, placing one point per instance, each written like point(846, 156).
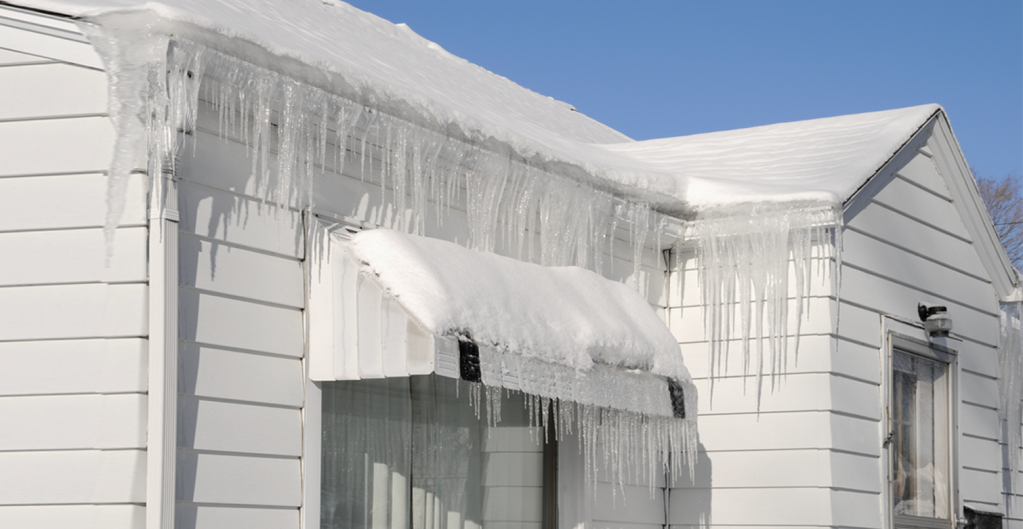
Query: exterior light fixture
point(936, 320)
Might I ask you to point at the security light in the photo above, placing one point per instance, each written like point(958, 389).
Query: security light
point(936, 320)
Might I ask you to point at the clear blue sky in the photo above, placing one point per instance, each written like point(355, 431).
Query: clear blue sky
point(669, 68)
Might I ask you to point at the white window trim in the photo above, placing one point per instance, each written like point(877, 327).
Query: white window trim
point(910, 336)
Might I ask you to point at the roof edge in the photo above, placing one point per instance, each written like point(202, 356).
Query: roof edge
point(951, 161)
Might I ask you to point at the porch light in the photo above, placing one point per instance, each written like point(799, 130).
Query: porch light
point(936, 320)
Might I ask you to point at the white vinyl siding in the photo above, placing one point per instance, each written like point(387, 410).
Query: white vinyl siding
point(73, 352)
point(241, 298)
point(906, 245)
point(753, 467)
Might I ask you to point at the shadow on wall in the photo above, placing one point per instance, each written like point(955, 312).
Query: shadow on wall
point(218, 199)
point(689, 504)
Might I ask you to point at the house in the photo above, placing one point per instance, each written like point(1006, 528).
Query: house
point(202, 326)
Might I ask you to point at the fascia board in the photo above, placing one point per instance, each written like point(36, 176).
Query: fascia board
point(966, 197)
point(861, 198)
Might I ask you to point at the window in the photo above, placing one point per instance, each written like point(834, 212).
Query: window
point(412, 452)
point(920, 420)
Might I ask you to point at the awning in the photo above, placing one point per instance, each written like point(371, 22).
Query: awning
point(386, 304)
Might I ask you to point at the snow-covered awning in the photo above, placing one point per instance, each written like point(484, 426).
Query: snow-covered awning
point(387, 304)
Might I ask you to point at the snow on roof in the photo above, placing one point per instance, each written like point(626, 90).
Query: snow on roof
point(385, 61)
point(390, 65)
point(565, 315)
point(821, 159)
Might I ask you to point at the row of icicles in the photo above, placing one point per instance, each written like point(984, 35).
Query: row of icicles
point(630, 447)
point(513, 207)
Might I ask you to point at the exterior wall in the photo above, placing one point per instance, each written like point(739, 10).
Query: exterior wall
point(770, 467)
point(73, 327)
point(241, 298)
point(907, 245)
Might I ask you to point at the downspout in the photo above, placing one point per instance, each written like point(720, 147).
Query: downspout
point(163, 356)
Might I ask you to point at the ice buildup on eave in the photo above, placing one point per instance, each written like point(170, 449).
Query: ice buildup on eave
point(427, 124)
point(368, 60)
point(589, 353)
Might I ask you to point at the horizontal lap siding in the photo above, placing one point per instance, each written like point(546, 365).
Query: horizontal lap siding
point(762, 450)
point(242, 342)
point(908, 245)
point(73, 326)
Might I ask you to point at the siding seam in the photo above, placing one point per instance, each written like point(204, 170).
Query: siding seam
point(916, 288)
point(261, 404)
point(222, 347)
point(919, 220)
point(241, 298)
point(907, 180)
point(232, 244)
point(28, 119)
point(913, 252)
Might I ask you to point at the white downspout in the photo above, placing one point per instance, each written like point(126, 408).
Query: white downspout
point(161, 459)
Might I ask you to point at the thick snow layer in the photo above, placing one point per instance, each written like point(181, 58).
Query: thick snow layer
point(389, 67)
point(821, 159)
point(565, 315)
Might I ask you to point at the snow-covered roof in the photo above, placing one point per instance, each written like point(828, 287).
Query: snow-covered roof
point(820, 159)
point(564, 315)
point(391, 67)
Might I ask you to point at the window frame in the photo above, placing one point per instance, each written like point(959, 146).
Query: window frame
point(907, 343)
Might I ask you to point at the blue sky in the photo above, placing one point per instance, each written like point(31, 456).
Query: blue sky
point(657, 69)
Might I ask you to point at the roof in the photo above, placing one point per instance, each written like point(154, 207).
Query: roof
point(389, 66)
point(820, 159)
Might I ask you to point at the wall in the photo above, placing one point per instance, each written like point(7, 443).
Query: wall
point(907, 245)
point(240, 376)
point(763, 460)
point(72, 325)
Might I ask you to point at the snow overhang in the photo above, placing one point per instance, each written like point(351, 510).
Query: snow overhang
point(386, 304)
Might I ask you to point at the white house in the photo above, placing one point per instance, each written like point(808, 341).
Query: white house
point(201, 326)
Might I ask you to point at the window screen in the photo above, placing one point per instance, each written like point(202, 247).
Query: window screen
point(920, 441)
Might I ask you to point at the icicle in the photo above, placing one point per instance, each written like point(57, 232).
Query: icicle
point(1010, 385)
point(130, 53)
point(743, 256)
point(508, 202)
point(639, 220)
point(631, 446)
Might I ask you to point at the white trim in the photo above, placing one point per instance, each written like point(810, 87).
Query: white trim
point(46, 36)
point(911, 337)
point(161, 456)
point(951, 163)
point(312, 434)
point(861, 198)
